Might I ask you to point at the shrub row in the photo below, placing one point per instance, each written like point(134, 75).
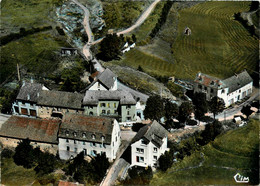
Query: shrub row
point(14, 36)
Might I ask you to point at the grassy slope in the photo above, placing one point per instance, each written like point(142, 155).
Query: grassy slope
point(35, 51)
point(236, 149)
point(12, 174)
point(218, 45)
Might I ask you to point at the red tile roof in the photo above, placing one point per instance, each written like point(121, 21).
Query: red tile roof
point(41, 130)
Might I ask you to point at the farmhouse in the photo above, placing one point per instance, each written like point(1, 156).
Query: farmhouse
point(230, 90)
point(148, 145)
point(41, 132)
point(92, 135)
point(26, 100)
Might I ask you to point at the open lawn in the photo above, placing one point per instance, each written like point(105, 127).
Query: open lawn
point(218, 45)
point(236, 151)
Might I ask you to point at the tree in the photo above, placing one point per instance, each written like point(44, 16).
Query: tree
point(171, 110)
point(139, 176)
point(185, 111)
point(46, 163)
point(110, 47)
point(247, 111)
point(24, 154)
point(134, 38)
point(200, 105)
point(154, 109)
point(165, 161)
point(100, 164)
point(216, 105)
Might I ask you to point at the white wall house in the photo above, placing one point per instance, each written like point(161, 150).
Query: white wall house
point(230, 90)
point(148, 145)
point(107, 80)
point(92, 135)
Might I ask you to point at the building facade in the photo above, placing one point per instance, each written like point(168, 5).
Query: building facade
point(148, 145)
point(92, 135)
point(230, 90)
point(117, 104)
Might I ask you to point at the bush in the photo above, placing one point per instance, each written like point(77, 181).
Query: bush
point(165, 161)
point(192, 122)
point(7, 153)
point(139, 176)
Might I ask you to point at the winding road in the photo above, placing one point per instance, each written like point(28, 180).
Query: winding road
point(86, 48)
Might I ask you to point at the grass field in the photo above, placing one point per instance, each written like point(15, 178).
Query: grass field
point(218, 45)
point(36, 53)
point(233, 152)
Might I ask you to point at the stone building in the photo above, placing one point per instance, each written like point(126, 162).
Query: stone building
point(92, 135)
point(148, 145)
point(230, 90)
point(57, 103)
point(41, 132)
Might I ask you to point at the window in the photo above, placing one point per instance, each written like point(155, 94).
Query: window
point(68, 148)
point(90, 107)
point(143, 142)
point(128, 106)
point(108, 112)
point(74, 134)
point(94, 152)
point(75, 142)
point(102, 138)
point(85, 151)
point(155, 149)
point(94, 144)
point(93, 136)
point(128, 118)
point(114, 105)
point(113, 144)
point(139, 150)
point(67, 140)
point(155, 157)
point(104, 145)
point(84, 143)
point(239, 91)
point(75, 150)
point(108, 105)
point(128, 112)
point(139, 159)
point(222, 91)
point(103, 111)
point(211, 90)
point(102, 104)
point(84, 135)
point(67, 133)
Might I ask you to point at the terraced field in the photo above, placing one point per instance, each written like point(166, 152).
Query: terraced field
point(218, 45)
point(234, 152)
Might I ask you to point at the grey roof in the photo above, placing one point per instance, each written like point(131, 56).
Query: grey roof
point(237, 81)
point(106, 78)
point(60, 99)
point(152, 133)
point(29, 92)
point(93, 96)
point(88, 125)
point(41, 130)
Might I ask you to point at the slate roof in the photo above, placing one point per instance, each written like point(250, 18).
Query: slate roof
point(237, 81)
point(31, 89)
point(209, 81)
point(152, 133)
point(41, 130)
point(89, 125)
point(93, 96)
point(107, 78)
point(60, 99)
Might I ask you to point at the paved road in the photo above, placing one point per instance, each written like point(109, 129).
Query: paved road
point(143, 97)
point(119, 164)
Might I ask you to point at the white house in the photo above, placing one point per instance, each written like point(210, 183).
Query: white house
point(148, 145)
point(107, 80)
point(92, 135)
point(230, 90)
